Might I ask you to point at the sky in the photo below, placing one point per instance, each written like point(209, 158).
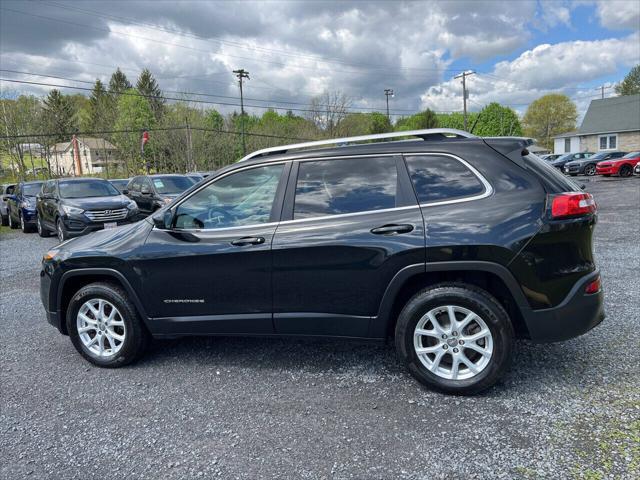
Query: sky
point(293, 51)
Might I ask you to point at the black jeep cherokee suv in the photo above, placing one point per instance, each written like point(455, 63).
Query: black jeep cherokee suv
point(451, 244)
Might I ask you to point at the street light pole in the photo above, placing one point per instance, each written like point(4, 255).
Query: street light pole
point(242, 74)
point(388, 92)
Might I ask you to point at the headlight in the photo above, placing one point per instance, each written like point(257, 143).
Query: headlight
point(132, 205)
point(25, 204)
point(71, 210)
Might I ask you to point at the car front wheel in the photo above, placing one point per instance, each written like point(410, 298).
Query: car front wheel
point(455, 338)
point(625, 171)
point(104, 326)
point(42, 230)
point(590, 170)
point(61, 232)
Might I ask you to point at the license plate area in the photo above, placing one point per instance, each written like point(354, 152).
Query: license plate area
point(110, 225)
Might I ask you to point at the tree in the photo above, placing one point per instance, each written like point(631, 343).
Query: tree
point(418, 121)
point(631, 83)
point(59, 116)
point(118, 82)
point(549, 116)
point(148, 86)
point(328, 109)
point(19, 117)
point(363, 124)
point(494, 120)
point(134, 113)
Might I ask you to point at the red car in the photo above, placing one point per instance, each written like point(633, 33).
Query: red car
point(620, 166)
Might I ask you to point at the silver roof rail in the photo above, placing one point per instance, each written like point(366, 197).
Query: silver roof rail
point(435, 133)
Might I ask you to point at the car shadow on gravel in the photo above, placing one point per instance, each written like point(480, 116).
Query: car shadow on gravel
point(535, 367)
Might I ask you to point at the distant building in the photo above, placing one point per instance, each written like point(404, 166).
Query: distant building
point(609, 124)
point(95, 154)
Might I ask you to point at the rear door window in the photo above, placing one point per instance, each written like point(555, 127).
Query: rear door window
point(335, 187)
point(439, 178)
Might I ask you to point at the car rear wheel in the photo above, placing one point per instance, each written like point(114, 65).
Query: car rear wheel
point(12, 224)
point(104, 326)
point(625, 171)
point(42, 230)
point(25, 227)
point(455, 338)
point(590, 170)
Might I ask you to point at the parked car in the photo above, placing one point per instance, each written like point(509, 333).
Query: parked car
point(21, 206)
point(120, 183)
point(301, 240)
point(587, 166)
point(196, 177)
point(562, 160)
point(6, 190)
point(550, 157)
point(76, 206)
point(623, 166)
point(636, 170)
point(151, 192)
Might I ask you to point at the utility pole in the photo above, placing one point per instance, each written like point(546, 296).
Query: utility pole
point(601, 88)
point(465, 94)
point(190, 165)
point(241, 74)
point(388, 93)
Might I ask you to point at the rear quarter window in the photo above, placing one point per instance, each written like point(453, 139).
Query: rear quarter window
point(553, 180)
point(438, 178)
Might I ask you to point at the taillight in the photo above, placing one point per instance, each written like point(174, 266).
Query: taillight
point(594, 287)
point(572, 204)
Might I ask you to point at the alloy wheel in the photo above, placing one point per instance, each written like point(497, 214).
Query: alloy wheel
point(590, 170)
point(625, 171)
point(100, 327)
point(59, 230)
point(453, 342)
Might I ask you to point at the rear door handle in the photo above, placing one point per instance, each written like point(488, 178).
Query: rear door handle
point(392, 229)
point(244, 241)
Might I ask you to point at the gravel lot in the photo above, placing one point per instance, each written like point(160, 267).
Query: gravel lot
point(256, 408)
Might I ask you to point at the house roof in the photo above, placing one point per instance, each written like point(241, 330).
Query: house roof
point(568, 134)
point(96, 143)
point(611, 115)
point(60, 147)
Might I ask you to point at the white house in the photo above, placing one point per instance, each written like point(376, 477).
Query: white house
point(95, 155)
point(609, 124)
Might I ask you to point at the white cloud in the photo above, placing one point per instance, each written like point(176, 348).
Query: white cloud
point(619, 14)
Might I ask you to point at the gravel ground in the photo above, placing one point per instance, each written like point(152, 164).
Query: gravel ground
point(257, 408)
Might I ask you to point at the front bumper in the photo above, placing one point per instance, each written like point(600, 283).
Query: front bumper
point(606, 170)
point(78, 225)
point(578, 313)
point(573, 169)
point(29, 215)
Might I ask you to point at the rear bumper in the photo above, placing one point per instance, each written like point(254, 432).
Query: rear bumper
point(578, 313)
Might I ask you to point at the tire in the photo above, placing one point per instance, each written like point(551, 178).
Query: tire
point(5, 220)
point(590, 170)
point(26, 228)
point(497, 345)
point(11, 224)
point(625, 171)
point(119, 353)
point(42, 230)
point(61, 232)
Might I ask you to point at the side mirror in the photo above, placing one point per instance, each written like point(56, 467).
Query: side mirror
point(125, 192)
point(163, 219)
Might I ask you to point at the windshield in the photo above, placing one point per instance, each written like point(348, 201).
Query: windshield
point(565, 156)
point(31, 189)
point(87, 188)
point(598, 156)
point(171, 185)
point(632, 155)
point(119, 184)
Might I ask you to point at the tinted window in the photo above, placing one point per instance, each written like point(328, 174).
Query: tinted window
point(134, 185)
point(31, 189)
point(87, 188)
point(632, 155)
point(242, 198)
point(119, 184)
point(332, 187)
point(437, 178)
point(171, 185)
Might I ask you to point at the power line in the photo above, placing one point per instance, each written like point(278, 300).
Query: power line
point(153, 26)
point(273, 100)
point(135, 94)
point(254, 59)
point(155, 129)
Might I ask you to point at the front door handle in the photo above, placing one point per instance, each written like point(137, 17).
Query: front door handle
point(392, 229)
point(244, 241)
